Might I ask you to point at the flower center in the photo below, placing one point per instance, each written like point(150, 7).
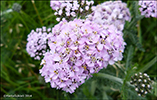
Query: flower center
point(55, 72)
point(86, 47)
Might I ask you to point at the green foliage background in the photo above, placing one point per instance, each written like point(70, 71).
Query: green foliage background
point(20, 72)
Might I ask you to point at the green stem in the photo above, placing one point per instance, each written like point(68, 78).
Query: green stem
point(133, 23)
point(112, 78)
point(37, 12)
point(139, 31)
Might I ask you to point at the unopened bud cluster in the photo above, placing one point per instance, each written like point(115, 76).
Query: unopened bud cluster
point(16, 7)
point(142, 83)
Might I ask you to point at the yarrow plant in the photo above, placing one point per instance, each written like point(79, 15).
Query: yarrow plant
point(87, 39)
point(78, 49)
point(148, 8)
point(70, 9)
point(37, 42)
point(110, 13)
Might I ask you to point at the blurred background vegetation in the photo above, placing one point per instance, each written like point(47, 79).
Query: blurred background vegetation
point(20, 72)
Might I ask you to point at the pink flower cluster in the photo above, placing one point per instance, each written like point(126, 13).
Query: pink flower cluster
point(68, 9)
point(110, 13)
point(37, 44)
point(75, 49)
point(148, 8)
point(78, 49)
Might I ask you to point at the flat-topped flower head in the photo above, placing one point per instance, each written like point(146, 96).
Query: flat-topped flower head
point(148, 8)
point(37, 42)
point(110, 12)
point(70, 9)
point(78, 49)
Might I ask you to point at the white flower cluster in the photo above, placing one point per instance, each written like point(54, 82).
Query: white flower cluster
point(110, 12)
point(68, 9)
point(148, 8)
point(37, 42)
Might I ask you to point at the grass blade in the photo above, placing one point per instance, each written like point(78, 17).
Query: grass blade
point(148, 65)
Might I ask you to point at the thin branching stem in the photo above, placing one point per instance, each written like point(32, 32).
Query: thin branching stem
point(37, 12)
